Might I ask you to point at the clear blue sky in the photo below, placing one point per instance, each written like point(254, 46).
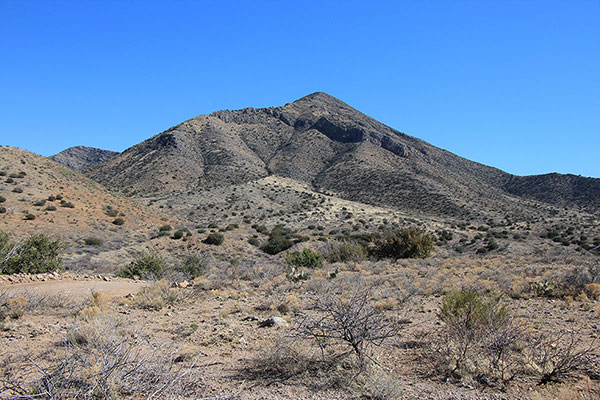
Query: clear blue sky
point(512, 84)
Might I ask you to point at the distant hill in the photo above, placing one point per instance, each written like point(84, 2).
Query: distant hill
point(79, 157)
point(41, 196)
point(321, 140)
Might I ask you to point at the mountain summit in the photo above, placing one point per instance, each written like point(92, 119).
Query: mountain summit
point(322, 141)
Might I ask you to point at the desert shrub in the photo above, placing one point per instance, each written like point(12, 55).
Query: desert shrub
point(215, 239)
point(144, 266)
point(347, 319)
point(192, 266)
point(178, 234)
point(480, 336)
point(118, 221)
point(254, 241)
point(93, 241)
point(66, 204)
point(39, 203)
point(276, 244)
point(29, 217)
point(2, 199)
point(2, 210)
point(404, 243)
point(344, 251)
point(231, 227)
point(557, 355)
point(157, 296)
point(284, 360)
point(50, 208)
point(111, 212)
point(34, 255)
point(307, 259)
point(165, 228)
point(279, 240)
point(18, 190)
point(13, 307)
point(575, 280)
point(593, 290)
point(100, 360)
point(260, 228)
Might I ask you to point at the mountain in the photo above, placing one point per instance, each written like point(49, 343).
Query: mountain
point(322, 141)
point(79, 157)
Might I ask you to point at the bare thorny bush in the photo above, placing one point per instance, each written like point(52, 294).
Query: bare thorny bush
point(347, 320)
point(14, 305)
point(97, 361)
point(334, 340)
point(484, 342)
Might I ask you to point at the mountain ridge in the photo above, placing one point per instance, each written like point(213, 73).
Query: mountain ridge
point(323, 141)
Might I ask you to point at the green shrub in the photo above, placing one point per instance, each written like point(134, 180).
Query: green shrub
point(279, 240)
point(404, 243)
point(468, 308)
point(93, 241)
point(2, 199)
point(254, 241)
point(177, 235)
point(276, 244)
point(165, 228)
point(29, 217)
point(39, 203)
point(18, 190)
point(193, 266)
point(214, 239)
point(307, 259)
point(2, 210)
point(50, 208)
point(66, 204)
point(231, 227)
point(478, 328)
point(118, 221)
point(36, 254)
point(144, 266)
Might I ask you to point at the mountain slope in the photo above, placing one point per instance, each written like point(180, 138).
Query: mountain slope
point(41, 196)
point(79, 157)
point(323, 141)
